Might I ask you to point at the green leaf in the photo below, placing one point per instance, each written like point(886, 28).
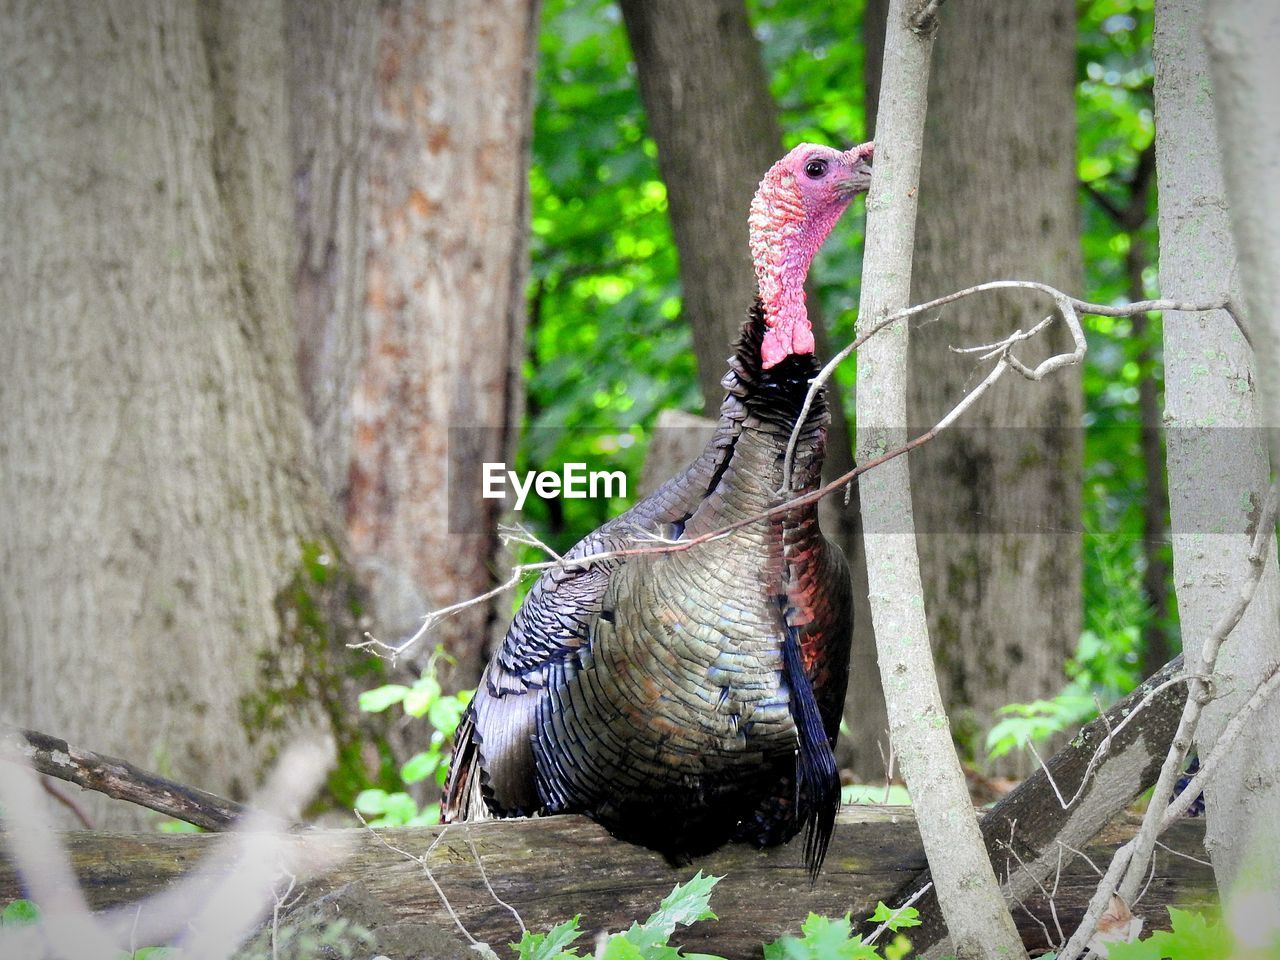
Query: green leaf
point(157, 953)
point(371, 802)
point(421, 696)
point(1149, 949)
point(445, 714)
point(896, 920)
point(550, 945)
point(618, 947)
point(824, 939)
point(687, 903)
point(379, 698)
point(420, 766)
point(20, 913)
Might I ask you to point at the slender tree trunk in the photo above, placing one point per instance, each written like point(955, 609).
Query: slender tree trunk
point(972, 905)
point(1243, 40)
point(997, 501)
point(1219, 467)
point(332, 56)
point(439, 392)
point(716, 124)
point(165, 561)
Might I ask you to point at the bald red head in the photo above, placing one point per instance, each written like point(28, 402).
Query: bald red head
point(798, 202)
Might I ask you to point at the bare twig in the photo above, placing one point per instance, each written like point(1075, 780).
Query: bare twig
point(422, 862)
point(1129, 865)
point(51, 787)
point(471, 845)
point(1069, 309)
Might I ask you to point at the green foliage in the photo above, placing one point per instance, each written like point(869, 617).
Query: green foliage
point(820, 938)
point(1193, 937)
point(19, 913)
point(443, 712)
point(898, 919)
point(823, 938)
point(686, 904)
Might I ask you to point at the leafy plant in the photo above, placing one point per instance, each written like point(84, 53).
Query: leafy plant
point(424, 699)
point(821, 937)
point(19, 913)
point(687, 903)
point(1193, 937)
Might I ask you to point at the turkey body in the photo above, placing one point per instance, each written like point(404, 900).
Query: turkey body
point(682, 699)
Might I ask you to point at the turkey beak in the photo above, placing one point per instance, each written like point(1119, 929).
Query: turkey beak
point(858, 163)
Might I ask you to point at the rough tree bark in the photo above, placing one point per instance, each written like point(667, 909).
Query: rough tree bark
point(1243, 39)
point(716, 125)
point(975, 913)
point(165, 562)
point(332, 54)
point(1219, 466)
point(440, 388)
point(997, 501)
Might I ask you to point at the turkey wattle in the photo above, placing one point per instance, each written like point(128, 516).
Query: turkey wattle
point(686, 699)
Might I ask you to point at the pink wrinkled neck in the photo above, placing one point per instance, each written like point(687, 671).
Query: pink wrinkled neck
point(783, 242)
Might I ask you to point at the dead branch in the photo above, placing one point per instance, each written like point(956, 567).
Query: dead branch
point(1129, 865)
point(1069, 309)
point(121, 780)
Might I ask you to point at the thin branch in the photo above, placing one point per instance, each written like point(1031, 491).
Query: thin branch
point(50, 786)
point(422, 862)
point(1069, 308)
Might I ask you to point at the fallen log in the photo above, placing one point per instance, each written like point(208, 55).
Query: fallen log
point(553, 868)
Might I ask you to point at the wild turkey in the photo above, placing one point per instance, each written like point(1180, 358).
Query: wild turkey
point(685, 699)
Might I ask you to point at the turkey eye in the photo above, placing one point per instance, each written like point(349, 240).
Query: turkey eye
point(815, 169)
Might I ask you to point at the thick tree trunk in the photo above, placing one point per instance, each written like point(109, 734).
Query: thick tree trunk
point(439, 392)
point(1219, 467)
point(716, 125)
point(165, 564)
point(997, 500)
point(332, 56)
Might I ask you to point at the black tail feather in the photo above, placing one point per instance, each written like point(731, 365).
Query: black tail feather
point(818, 779)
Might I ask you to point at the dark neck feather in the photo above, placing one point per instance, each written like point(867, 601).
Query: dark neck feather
point(776, 394)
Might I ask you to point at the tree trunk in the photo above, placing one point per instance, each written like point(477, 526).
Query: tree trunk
point(332, 57)
point(998, 499)
point(440, 392)
point(166, 572)
point(1219, 467)
point(975, 913)
point(716, 125)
